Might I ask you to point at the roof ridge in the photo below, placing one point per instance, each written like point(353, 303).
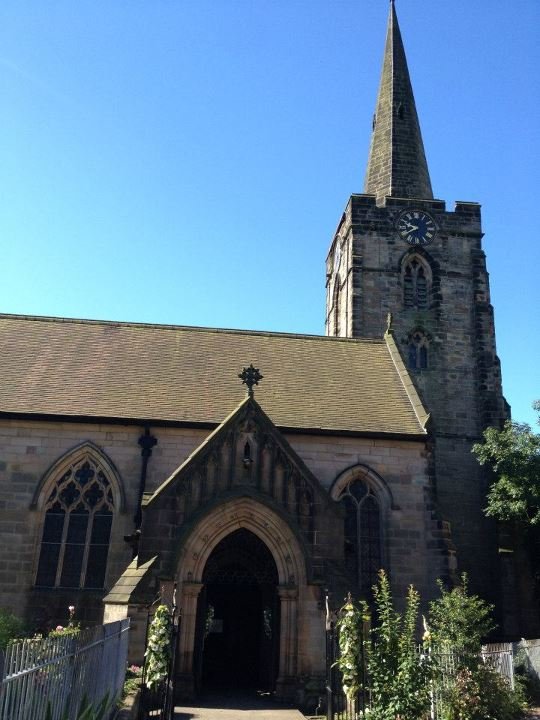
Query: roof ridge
point(195, 328)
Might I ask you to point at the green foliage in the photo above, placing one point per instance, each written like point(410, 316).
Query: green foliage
point(513, 453)
point(482, 694)
point(467, 689)
point(459, 622)
point(70, 630)
point(351, 642)
point(86, 711)
point(133, 680)
point(158, 648)
point(399, 673)
point(11, 627)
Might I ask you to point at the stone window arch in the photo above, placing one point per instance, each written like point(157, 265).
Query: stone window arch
point(366, 501)
point(336, 308)
point(418, 350)
point(417, 282)
point(78, 498)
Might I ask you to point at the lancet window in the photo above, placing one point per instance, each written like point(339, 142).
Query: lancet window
point(77, 528)
point(416, 283)
point(417, 351)
point(363, 533)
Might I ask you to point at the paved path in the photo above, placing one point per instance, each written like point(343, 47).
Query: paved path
point(229, 708)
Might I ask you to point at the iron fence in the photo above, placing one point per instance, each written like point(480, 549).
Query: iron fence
point(57, 675)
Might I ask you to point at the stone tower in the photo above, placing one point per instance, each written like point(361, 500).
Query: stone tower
point(399, 251)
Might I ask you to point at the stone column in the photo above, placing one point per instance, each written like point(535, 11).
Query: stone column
point(185, 679)
point(286, 684)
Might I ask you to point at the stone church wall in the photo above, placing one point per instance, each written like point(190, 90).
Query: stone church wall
point(29, 448)
point(414, 553)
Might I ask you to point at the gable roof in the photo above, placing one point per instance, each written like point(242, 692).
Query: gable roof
point(248, 408)
point(162, 373)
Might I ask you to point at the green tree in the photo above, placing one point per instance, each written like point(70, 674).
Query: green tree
point(466, 688)
point(459, 622)
point(513, 454)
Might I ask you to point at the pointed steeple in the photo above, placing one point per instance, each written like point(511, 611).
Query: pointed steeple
point(397, 162)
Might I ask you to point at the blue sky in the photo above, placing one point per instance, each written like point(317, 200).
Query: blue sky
point(187, 161)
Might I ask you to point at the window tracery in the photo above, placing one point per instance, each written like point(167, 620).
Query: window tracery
point(417, 350)
point(363, 533)
point(416, 282)
point(77, 527)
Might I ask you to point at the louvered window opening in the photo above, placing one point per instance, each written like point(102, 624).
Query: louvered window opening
point(415, 285)
point(77, 529)
point(363, 540)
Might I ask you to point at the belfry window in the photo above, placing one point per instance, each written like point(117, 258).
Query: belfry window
point(76, 529)
point(363, 537)
point(416, 283)
point(417, 351)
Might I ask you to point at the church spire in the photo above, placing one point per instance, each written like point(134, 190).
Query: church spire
point(397, 163)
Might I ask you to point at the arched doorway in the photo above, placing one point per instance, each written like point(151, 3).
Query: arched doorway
point(288, 555)
point(238, 616)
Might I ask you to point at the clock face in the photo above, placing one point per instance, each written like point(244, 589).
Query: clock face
point(416, 227)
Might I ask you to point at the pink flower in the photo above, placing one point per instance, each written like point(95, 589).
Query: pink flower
point(58, 628)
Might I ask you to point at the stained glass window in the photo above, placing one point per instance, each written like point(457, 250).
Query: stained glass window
point(76, 529)
point(363, 541)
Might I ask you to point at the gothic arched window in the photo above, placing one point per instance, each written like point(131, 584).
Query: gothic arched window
point(77, 524)
point(417, 350)
point(416, 282)
point(363, 533)
point(337, 318)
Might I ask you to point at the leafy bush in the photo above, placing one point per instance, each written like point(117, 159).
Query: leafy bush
point(133, 679)
point(466, 687)
point(399, 675)
point(11, 627)
point(70, 630)
point(459, 622)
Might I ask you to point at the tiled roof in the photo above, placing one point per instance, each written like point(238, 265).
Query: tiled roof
point(99, 369)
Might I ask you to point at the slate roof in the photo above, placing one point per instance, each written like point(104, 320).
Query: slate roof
point(121, 593)
point(162, 373)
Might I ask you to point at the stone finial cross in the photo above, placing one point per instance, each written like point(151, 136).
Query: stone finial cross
point(250, 376)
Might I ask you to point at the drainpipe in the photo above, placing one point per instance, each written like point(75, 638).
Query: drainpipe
point(147, 442)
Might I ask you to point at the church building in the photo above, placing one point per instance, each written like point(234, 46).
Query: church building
point(251, 473)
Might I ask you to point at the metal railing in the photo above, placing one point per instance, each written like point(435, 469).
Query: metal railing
point(58, 675)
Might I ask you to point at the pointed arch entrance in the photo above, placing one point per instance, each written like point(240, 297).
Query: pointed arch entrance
point(237, 637)
point(246, 536)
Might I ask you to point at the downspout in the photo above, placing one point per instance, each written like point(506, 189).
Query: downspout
point(147, 442)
